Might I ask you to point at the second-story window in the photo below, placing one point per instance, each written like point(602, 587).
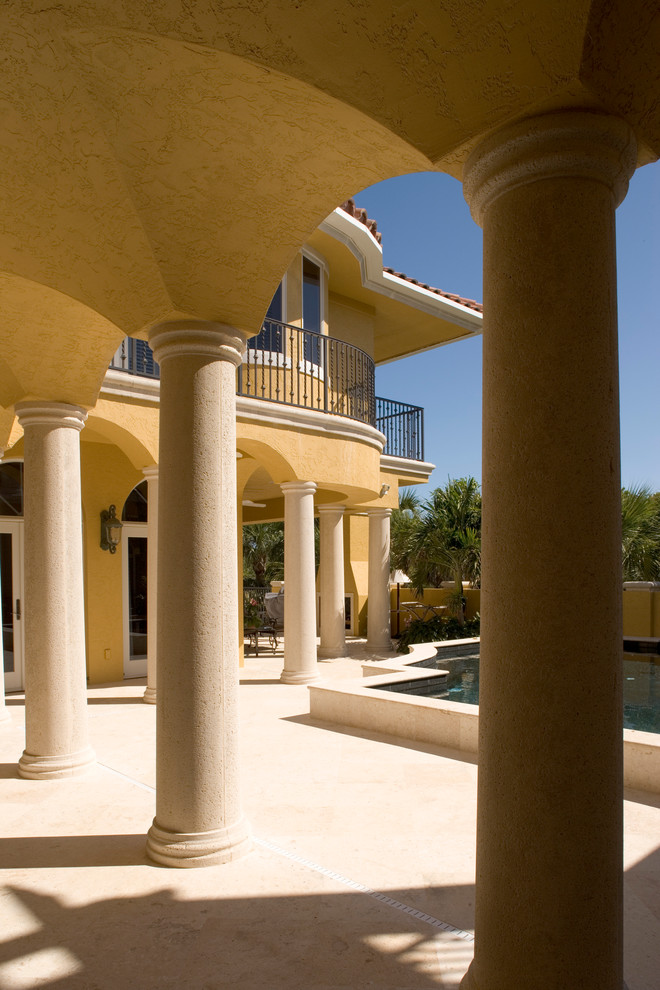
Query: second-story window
point(311, 309)
point(270, 336)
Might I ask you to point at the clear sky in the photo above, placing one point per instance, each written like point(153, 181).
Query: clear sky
point(428, 233)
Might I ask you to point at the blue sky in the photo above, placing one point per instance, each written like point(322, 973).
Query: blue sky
point(428, 233)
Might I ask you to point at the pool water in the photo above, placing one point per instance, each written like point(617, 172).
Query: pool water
point(641, 685)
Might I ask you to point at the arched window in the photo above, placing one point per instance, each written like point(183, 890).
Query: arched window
point(11, 488)
point(136, 505)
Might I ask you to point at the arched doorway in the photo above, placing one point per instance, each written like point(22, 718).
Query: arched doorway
point(134, 581)
point(11, 572)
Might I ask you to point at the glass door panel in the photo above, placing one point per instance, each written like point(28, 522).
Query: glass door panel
point(11, 598)
point(134, 549)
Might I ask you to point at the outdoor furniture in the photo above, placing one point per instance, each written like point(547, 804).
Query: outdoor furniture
point(420, 610)
point(254, 632)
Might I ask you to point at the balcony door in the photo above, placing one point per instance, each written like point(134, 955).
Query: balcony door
point(11, 572)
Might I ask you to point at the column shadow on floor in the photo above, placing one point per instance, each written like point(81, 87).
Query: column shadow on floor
point(319, 940)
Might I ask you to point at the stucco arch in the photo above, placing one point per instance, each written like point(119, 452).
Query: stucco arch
point(133, 429)
point(53, 346)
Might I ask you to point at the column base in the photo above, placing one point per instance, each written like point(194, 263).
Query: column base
point(298, 676)
point(188, 850)
point(149, 696)
point(33, 767)
point(329, 653)
point(379, 647)
point(467, 983)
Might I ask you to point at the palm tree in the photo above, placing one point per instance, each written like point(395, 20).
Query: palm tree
point(447, 543)
point(404, 524)
point(640, 531)
point(263, 553)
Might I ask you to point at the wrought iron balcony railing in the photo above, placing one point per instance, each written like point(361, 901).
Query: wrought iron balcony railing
point(286, 364)
point(403, 425)
point(299, 368)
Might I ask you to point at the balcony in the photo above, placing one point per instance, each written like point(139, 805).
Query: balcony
point(296, 367)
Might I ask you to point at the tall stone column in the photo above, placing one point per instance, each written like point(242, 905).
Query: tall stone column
point(55, 684)
point(199, 820)
point(151, 474)
point(299, 584)
point(379, 635)
point(331, 573)
point(549, 883)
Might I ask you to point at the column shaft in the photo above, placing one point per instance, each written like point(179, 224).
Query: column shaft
point(378, 613)
point(331, 574)
point(549, 890)
point(299, 584)
point(199, 820)
point(151, 474)
point(55, 684)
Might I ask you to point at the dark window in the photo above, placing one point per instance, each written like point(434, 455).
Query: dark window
point(311, 306)
point(11, 489)
point(135, 506)
point(270, 336)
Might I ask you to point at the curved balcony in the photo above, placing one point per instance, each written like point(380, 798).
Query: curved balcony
point(296, 367)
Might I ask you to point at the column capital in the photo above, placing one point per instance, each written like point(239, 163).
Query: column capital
point(329, 509)
point(301, 487)
point(150, 472)
point(203, 338)
point(50, 414)
point(379, 512)
point(576, 144)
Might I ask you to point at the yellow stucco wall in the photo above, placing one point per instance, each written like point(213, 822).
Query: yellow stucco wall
point(107, 477)
point(356, 568)
point(352, 322)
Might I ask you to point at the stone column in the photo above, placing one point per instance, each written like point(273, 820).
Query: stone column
point(331, 573)
point(151, 474)
point(54, 615)
point(549, 882)
point(199, 820)
point(299, 584)
point(378, 609)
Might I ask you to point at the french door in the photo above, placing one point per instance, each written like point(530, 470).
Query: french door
point(11, 579)
point(134, 580)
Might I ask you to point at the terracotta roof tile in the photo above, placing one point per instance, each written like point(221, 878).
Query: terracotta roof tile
point(360, 214)
point(469, 303)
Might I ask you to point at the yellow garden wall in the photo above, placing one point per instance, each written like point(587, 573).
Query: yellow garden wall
point(641, 613)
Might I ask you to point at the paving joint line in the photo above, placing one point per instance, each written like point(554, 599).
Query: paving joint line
point(376, 895)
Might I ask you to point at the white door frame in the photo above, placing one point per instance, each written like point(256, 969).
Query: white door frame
point(14, 526)
point(137, 667)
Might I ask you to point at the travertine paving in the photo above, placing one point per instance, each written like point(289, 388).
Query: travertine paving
point(362, 873)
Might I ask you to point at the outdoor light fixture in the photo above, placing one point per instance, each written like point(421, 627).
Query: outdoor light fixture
point(110, 529)
point(384, 489)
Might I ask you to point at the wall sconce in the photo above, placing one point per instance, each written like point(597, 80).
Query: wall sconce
point(110, 529)
point(384, 489)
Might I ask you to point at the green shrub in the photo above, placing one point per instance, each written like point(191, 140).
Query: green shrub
point(437, 629)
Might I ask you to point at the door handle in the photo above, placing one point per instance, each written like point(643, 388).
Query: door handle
point(18, 608)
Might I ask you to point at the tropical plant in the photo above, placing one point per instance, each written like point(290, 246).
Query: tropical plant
point(447, 543)
point(640, 533)
point(263, 553)
point(433, 630)
point(404, 524)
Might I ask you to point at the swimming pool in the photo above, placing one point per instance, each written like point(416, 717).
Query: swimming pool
point(641, 684)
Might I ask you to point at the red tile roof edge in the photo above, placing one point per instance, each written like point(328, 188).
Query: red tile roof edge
point(360, 214)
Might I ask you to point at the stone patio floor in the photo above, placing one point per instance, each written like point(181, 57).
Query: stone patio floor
point(362, 872)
